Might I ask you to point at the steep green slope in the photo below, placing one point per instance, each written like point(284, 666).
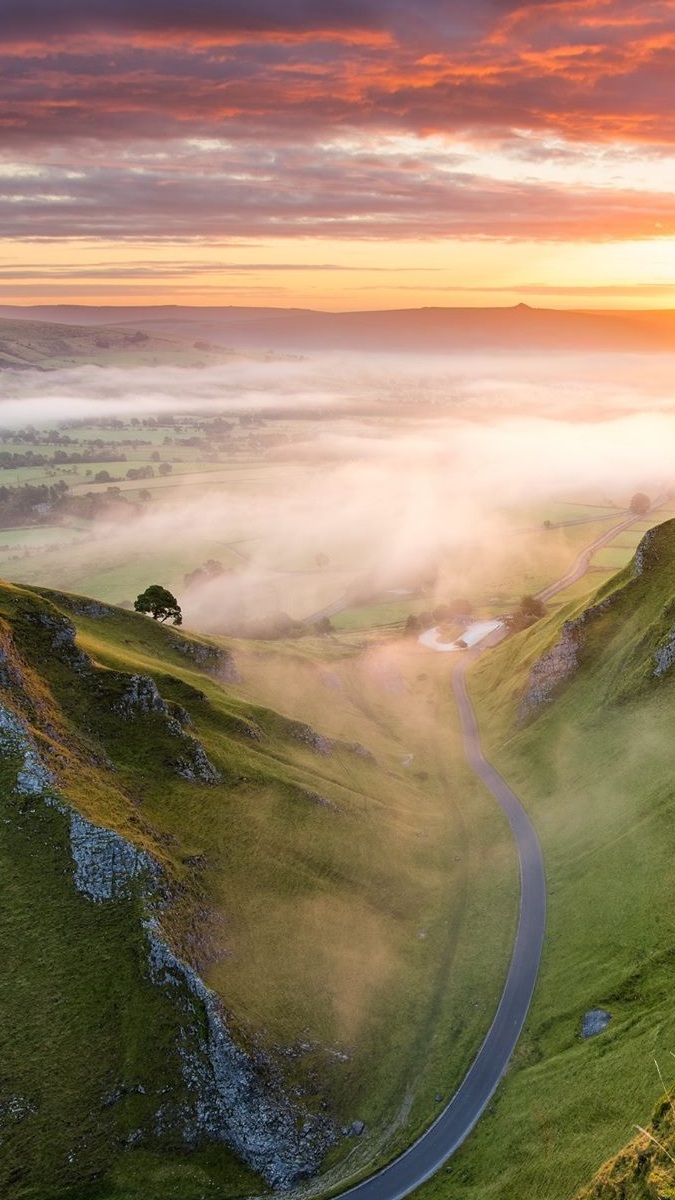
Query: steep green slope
point(578, 715)
point(201, 893)
point(645, 1168)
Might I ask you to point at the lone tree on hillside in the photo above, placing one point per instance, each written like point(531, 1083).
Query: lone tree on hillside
point(640, 504)
point(159, 604)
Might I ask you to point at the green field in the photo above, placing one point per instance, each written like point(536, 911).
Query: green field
point(595, 771)
point(46, 346)
point(241, 471)
point(361, 909)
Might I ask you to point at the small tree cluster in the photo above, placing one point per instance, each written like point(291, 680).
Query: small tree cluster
point(529, 610)
point(640, 504)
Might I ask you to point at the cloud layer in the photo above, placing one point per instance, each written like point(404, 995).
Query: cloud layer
point(332, 118)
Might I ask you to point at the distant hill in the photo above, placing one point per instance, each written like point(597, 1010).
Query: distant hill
point(420, 330)
point(35, 344)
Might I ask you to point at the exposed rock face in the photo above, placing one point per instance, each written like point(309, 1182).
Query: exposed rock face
point(316, 741)
point(315, 798)
point(32, 777)
point(263, 1128)
point(232, 1096)
point(212, 659)
point(549, 671)
point(194, 763)
point(62, 633)
point(11, 674)
point(643, 553)
point(139, 698)
point(664, 657)
point(215, 662)
point(320, 744)
point(140, 695)
point(594, 1022)
point(247, 729)
point(14, 1109)
point(84, 607)
point(105, 863)
point(560, 662)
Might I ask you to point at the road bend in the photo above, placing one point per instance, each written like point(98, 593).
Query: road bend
point(583, 559)
point(458, 1118)
point(455, 1122)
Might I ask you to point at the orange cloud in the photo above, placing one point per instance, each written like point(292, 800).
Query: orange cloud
point(283, 103)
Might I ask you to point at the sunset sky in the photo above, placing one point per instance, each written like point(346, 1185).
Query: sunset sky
point(338, 154)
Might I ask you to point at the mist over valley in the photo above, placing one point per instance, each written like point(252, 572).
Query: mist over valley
point(340, 887)
point(312, 480)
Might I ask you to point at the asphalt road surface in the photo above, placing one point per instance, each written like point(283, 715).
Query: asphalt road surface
point(457, 1120)
point(581, 562)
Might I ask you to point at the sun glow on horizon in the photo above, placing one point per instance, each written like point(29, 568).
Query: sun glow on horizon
point(410, 157)
point(343, 275)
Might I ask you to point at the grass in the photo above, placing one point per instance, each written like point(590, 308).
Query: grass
point(613, 558)
point(80, 1019)
point(389, 613)
point(250, 481)
point(38, 536)
point(49, 346)
point(337, 924)
point(523, 562)
point(595, 771)
point(644, 1168)
point(107, 568)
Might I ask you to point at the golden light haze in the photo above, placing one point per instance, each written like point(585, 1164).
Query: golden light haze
point(344, 275)
point(338, 155)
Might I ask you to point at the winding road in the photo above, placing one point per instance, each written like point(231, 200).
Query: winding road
point(455, 1122)
point(582, 561)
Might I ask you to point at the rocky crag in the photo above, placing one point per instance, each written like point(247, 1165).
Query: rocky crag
point(228, 1094)
point(647, 574)
point(558, 664)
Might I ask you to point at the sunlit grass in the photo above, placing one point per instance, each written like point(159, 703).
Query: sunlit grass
point(595, 771)
point(348, 899)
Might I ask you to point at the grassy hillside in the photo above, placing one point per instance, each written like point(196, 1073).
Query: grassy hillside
point(594, 762)
point(26, 344)
point(645, 1168)
point(327, 882)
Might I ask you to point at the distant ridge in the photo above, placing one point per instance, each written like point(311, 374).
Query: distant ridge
point(416, 330)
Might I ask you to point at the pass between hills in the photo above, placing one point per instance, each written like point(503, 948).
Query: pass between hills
point(454, 1124)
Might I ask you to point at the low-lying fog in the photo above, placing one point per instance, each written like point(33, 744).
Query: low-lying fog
point(382, 465)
